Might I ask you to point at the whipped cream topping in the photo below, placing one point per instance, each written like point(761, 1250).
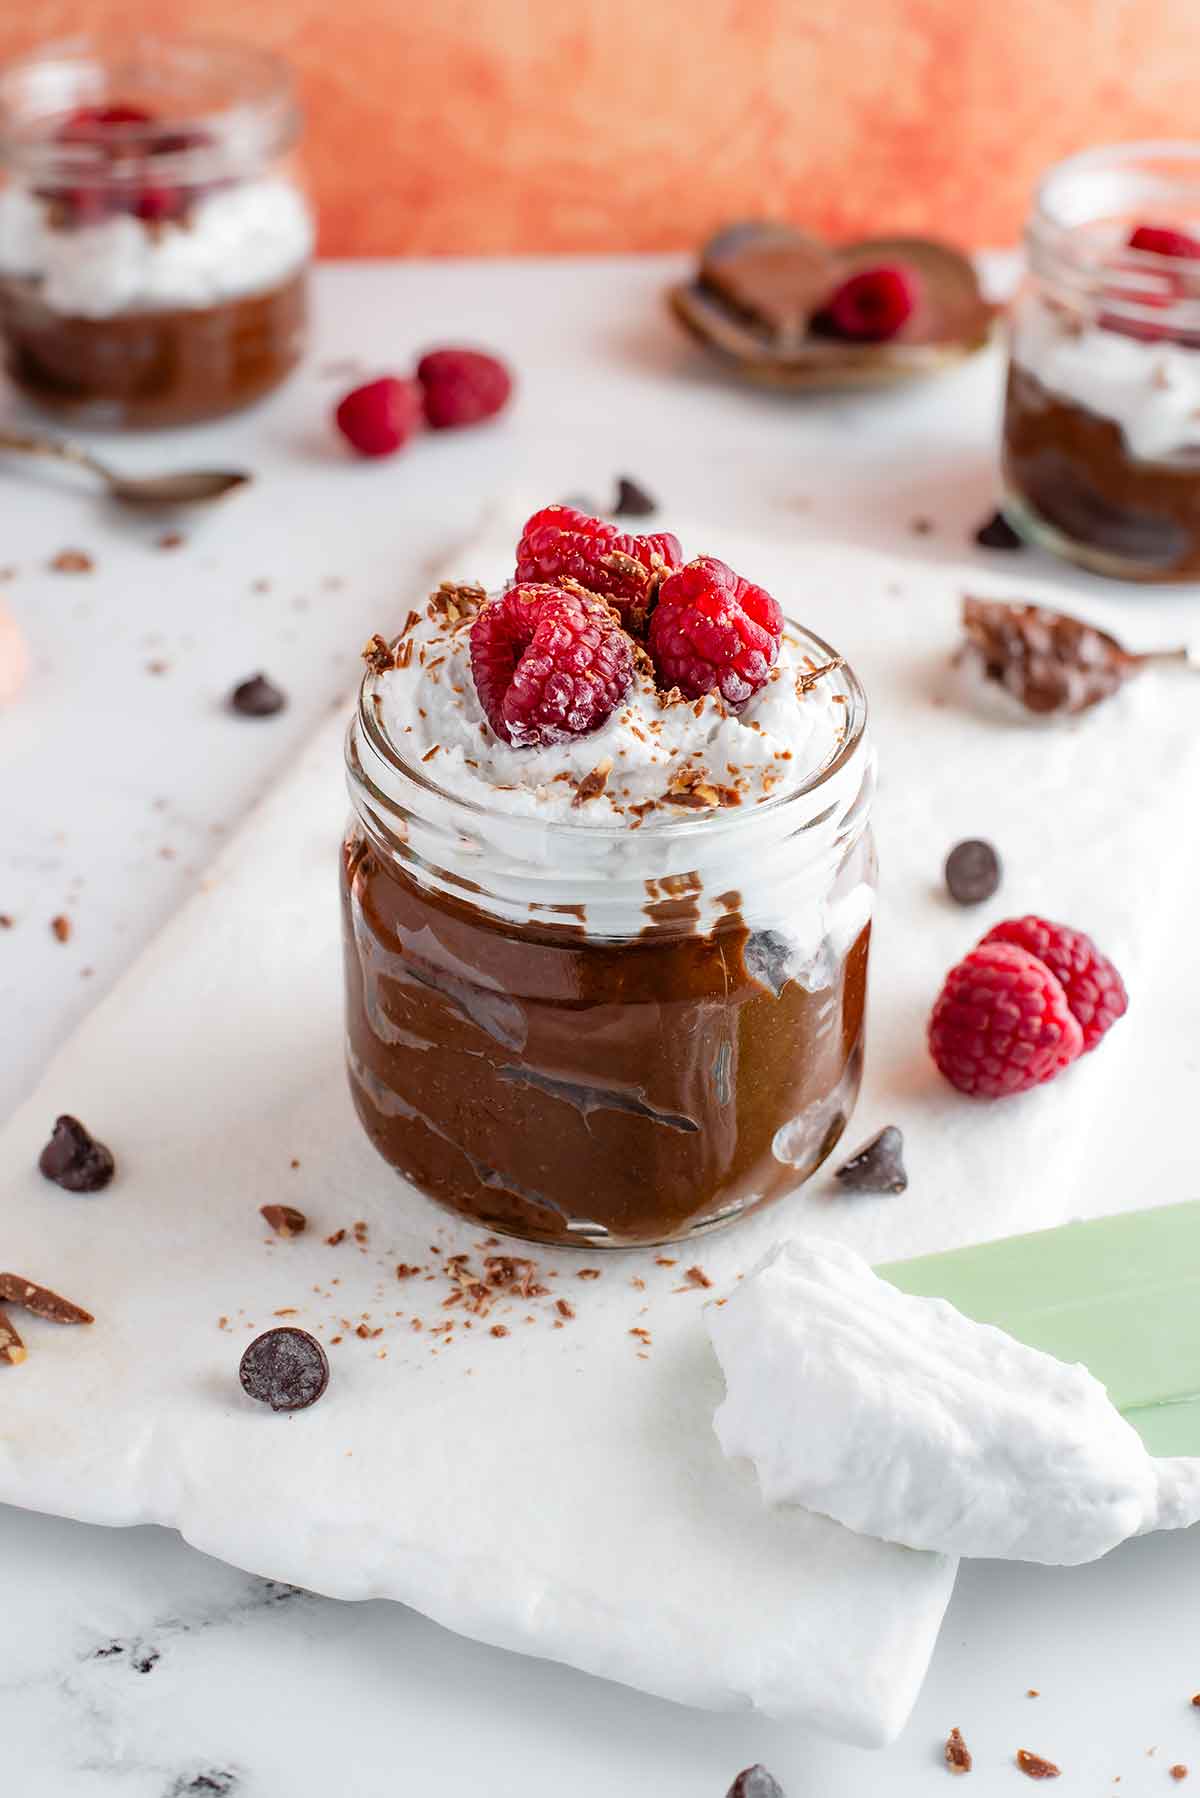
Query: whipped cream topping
point(903, 1419)
point(239, 240)
point(1151, 390)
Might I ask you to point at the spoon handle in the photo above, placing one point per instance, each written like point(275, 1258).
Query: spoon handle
point(29, 444)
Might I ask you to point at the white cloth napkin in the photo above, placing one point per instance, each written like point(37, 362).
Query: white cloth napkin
point(550, 1491)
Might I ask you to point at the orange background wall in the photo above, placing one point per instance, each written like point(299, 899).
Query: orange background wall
point(466, 126)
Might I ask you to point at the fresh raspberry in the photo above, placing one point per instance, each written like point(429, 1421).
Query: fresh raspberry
point(872, 305)
point(379, 419)
point(624, 569)
point(711, 630)
point(1160, 240)
point(549, 664)
point(1002, 1024)
point(1095, 991)
point(462, 387)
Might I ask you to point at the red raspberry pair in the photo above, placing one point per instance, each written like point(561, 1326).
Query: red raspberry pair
point(452, 387)
point(1022, 1006)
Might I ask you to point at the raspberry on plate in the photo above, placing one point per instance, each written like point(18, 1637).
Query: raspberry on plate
point(625, 569)
point(1095, 991)
point(462, 387)
point(712, 631)
point(379, 418)
point(872, 305)
point(548, 664)
point(1002, 1024)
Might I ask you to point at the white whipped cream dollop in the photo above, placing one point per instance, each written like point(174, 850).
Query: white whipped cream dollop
point(239, 240)
point(903, 1419)
point(1151, 390)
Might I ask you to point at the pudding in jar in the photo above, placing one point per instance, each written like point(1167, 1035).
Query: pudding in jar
point(607, 894)
point(154, 236)
point(1102, 417)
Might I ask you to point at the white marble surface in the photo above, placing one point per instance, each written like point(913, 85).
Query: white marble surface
point(299, 1696)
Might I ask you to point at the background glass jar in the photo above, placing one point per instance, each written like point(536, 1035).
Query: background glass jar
point(1102, 416)
point(154, 234)
point(598, 1035)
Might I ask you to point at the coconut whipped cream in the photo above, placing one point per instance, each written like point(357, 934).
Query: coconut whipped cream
point(1151, 390)
point(903, 1419)
point(239, 240)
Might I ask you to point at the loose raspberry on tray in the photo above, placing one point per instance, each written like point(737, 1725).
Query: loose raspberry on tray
point(548, 664)
point(379, 418)
point(462, 387)
point(1095, 991)
point(1002, 1024)
point(626, 570)
point(712, 631)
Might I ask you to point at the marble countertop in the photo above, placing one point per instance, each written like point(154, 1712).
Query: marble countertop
point(132, 1665)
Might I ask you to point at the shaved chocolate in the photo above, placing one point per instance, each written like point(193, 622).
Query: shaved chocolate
point(379, 655)
point(60, 927)
point(12, 1349)
point(878, 1166)
point(74, 1160)
point(285, 1368)
point(972, 871)
point(15, 1289)
point(958, 1755)
point(755, 1782)
point(997, 533)
point(632, 501)
point(257, 697)
point(285, 1220)
point(1034, 1767)
point(72, 561)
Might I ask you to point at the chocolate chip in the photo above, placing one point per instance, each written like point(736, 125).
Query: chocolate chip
point(972, 872)
point(285, 1220)
point(633, 501)
point(755, 1782)
point(74, 1160)
point(257, 698)
point(997, 533)
point(878, 1166)
point(285, 1368)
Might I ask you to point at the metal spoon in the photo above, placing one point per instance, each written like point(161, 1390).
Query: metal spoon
point(187, 488)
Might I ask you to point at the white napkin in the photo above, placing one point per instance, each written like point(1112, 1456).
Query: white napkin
point(550, 1491)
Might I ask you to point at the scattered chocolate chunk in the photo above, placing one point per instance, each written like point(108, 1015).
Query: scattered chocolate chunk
point(592, 784)
point(1051, 661)
point(972, 871)
point(15, 1289)
point(285, 1220)
point(633, 501)
point(285, 1368)
point(204, 1785)
point(73, 1158)
point(807, 680)
point(1034, 1767)
point(997, 533)
point(6, 921)
point(958, 1755)
point(878, 1166)
point(171, 540)
point(1179, 1771)
point(379, 655)
point(696, 1278)
point(60, 927)
point(1196, 1701)
point(755, 1782)
point(921, 526)
point(12, 1349)
point(72, 561)
point(257, 697)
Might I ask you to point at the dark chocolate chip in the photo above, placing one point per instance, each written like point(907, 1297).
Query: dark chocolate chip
point(997, 533)
point(213, 1783)
point(755, 1782)
point(257, 698)
point(878, 1166)
point(633, 501)
point(285, 1369)
point(972, 872)
point(73, 1158)
point(285, 1220)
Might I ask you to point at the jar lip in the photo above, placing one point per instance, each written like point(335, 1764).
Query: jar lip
point(242, 95)
point(675, 825)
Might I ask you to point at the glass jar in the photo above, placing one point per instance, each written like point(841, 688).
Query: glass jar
point(601, 1035)
point(1102, 416)
point(154, 235)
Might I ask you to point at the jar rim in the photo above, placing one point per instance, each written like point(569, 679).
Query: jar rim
point(675, 825)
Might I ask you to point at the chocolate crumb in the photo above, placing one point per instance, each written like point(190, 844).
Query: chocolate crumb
point(958, 1755)
point(73, 1158)
point(1033, 1692)
point(257, 697)
point(878, 1166)
point(379, 655)
point(171, 540)
point(158, 666)
point(405, 1270)
point(16, 1290)
point(61, 928)
point(331, 1242)
point(665, 1261)
point(1179, 1771)
point(499, 1330)
point(6, 921)
point(72, 561)
point(591, 785)
point(695, 1277)
point(1196, 1701)
point(285, 1220)
point(997, 533)
point(12, 1349)
point(1034, 1767)
point(588, 1273)
point(807, 681)
point(564, 1308)
point(632, 501)
point(285, 1368)
point(921, 526)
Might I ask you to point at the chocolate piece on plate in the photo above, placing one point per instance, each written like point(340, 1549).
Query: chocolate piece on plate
point(257, 697)
point(285, 1368)
point(878, 1166)
point(755, 1782)
point(958, 1755)
point(15, 1289)
point(12, 1349)
point(972, 871)
point(1035, 1767)
point(633, 501)
point(997, 533)
point(73, 1158)
point(285, 1220)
